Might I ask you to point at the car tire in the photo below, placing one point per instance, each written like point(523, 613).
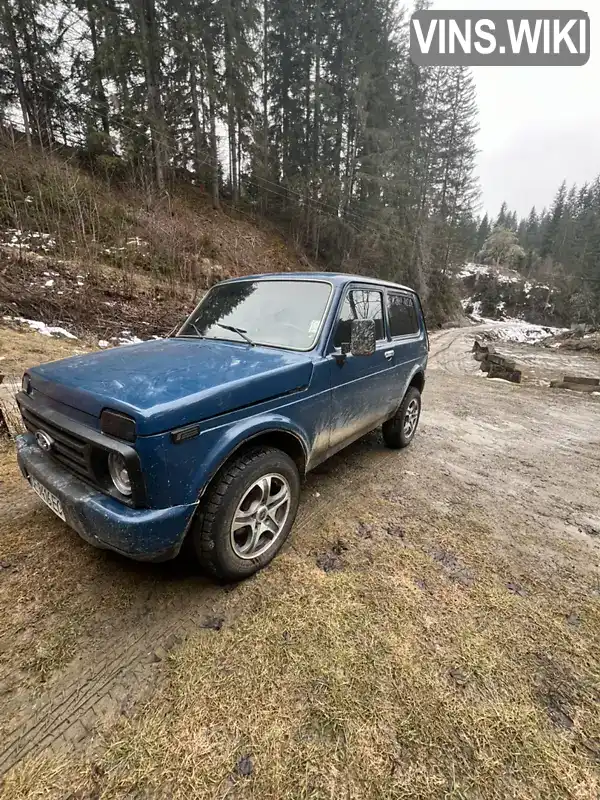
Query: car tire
point(397, 432)
point(245, 491)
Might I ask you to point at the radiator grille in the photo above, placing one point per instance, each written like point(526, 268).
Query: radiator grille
point(68, 449)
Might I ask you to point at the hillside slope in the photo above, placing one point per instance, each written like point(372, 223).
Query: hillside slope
point(87, 256)
point(497, 292)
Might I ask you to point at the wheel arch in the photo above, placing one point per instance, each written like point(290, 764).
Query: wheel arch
point(279, 436)
point(417, 380)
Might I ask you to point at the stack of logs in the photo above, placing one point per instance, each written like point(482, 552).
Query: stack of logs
point(496, 365)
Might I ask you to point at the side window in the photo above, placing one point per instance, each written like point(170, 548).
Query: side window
point(359, 304)
point(403, 315)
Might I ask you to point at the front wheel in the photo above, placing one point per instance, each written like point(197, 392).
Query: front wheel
point(247, 514)
point(399, 431)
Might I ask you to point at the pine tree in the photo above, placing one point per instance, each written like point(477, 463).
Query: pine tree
point(502, 219)
point(550, 241)
point(532, 226)
point(483, 231)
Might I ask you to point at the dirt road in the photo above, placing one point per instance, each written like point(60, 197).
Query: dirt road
point(501, 482)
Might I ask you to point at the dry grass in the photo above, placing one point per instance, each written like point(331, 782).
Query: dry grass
point(383, 679)
point(20, 349)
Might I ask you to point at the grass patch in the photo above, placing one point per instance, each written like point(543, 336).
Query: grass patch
point(21, 349)
point(53, 652)
point(358, 684)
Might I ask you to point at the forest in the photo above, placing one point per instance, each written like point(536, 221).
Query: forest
point(559, 246)
point(308, 113)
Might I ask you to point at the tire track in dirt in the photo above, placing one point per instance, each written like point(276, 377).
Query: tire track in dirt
point(450, 352)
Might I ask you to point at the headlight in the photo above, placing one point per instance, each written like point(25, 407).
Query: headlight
point(119, 474)
point(26, 384)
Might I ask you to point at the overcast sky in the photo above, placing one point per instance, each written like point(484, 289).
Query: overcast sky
point(538, 124)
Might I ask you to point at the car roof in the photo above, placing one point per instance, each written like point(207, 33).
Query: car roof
point(336, 278)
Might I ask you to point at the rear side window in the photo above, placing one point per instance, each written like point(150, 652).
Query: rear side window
point(403, 315)
point(359, 304)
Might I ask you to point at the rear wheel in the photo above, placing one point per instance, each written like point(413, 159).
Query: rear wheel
point(247, 514)
point(400, 430)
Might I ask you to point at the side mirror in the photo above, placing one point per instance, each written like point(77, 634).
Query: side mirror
point(363, 340)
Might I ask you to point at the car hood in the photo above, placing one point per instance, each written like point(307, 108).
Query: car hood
point(165, 384)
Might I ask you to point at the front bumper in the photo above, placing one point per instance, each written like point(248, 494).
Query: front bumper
point(146, 534)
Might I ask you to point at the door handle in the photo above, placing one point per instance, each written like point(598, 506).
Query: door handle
point(389, 354)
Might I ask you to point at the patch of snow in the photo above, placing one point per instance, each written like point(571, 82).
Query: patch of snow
point(41, 327)
point(23, 240)
point(520, 332)
point(49, 284)
point(125, 340)
point(103, 343)
point(502, 274)
point(514, 277)
point(472, 269)
point(476, 313)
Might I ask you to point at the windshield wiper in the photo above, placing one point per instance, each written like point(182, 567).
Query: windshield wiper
point(240, 331)
point(197, 329)
point(194, 326)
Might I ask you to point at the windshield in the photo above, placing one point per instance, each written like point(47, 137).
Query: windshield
point(275, 313)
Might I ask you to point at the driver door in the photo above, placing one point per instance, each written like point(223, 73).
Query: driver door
point(359, 384)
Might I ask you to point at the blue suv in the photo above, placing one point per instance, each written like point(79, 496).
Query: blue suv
point(208, 433)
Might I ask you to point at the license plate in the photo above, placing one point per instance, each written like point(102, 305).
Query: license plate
point(50, 499)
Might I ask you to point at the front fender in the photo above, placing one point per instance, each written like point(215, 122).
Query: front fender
point(219, 444)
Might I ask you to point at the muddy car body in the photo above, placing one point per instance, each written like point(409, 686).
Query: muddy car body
point(209, 431)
